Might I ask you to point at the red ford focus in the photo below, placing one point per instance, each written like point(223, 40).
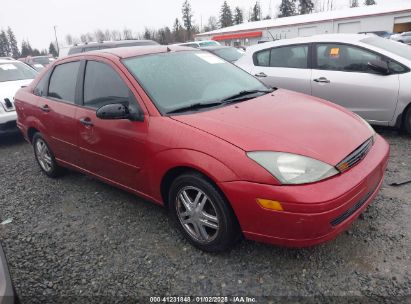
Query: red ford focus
point(226, 154)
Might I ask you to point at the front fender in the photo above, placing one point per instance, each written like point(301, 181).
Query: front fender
point(167, 160)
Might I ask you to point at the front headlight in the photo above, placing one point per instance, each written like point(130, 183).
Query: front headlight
point(292, 168)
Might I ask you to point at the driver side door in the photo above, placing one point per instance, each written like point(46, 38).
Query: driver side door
point(113, 150)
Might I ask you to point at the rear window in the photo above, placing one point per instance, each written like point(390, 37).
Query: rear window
point(63, 81)
point(12, 71)
point(208, 43)
point(396, 48)
point(230, 54)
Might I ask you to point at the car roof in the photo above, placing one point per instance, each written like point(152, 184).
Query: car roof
point(132, 51)
point(215, 47)
point(353, 38)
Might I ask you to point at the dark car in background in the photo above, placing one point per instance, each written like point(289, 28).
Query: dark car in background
point(7, 294)
point(228, 53)
point(108, 45)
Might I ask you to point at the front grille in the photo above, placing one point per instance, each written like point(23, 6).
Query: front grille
point(356, 156)
point(7, 105)
point(352, 210)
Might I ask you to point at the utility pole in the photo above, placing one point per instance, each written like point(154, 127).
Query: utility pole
point(57, 43)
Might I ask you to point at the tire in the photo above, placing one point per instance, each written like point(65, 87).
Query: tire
point(401, 41)
point(45, 157)
point(406, 123)
point(202, 213)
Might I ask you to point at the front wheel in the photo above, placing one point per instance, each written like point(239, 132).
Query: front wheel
point(406, 124)
point(45, 157)
point(202, 213)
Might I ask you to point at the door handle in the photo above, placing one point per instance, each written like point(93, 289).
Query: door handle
point(322, 80)
point(261, 74)
point(45, 108)
point(86, 122)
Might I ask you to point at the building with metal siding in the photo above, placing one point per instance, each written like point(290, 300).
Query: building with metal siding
point(390, 18)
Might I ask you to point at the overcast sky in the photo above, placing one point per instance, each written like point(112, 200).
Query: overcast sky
point(34, 20)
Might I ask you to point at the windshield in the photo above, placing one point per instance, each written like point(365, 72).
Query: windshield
point(230, 54)
point(208, 43)
point(11, 71)
point(41, 60)
point(178, 79)
point(396, 48)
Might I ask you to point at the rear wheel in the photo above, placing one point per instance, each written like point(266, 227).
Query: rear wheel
point(45, 157)
point(202, 213)
point(406, 124)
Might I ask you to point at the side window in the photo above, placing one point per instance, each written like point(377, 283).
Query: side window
point(337, 57)
point(102, 86)
point(40, 89)
point(262, 58)
point(63, 81)
point(295, 56)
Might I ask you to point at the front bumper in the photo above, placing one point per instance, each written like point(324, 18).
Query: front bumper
point(8, 122)
point(7, 295)
point(313, 213)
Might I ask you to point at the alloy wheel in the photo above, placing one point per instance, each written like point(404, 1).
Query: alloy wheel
point(197, 214)
point(43, 155)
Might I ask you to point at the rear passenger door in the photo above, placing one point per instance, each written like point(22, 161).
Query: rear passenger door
point(58, 111)
point(284, 67)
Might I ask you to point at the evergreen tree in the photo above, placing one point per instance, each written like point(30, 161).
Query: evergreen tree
point(256, 12)
point(226, 17)
point(370, 2)
point(52, 50)
point(238, 16)
point(178, 31)
point(354, 3)
point(306, 7)
point(188, 18)
point(14, 49)
point(4, 44)
point(287, 8)
point(26, 49)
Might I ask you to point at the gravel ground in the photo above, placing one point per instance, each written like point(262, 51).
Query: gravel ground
point(75, 239)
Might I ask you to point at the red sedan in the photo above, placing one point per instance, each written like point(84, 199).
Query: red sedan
point(227, 155)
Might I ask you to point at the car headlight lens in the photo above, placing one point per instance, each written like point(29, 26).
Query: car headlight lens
point(292, 168)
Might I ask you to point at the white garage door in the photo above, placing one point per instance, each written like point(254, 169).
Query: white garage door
point(349, 27)
point(307, 31)
point(405, 19)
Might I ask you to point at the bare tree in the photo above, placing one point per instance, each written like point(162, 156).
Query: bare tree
point(107, 34)
point(127, 34)
point(69, 39)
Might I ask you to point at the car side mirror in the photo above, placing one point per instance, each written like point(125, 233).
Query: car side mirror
point(119, 111)
point(381, 67)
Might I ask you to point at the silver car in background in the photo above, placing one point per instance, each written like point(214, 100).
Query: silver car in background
point(7, 295)
point(367, 74)
point(403, 37)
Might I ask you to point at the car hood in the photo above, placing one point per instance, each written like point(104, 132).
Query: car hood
point(285, 121)
point(9, 88)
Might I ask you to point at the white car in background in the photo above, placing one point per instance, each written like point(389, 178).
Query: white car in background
point(200, 43)
point(367, 74)
point(13, 75)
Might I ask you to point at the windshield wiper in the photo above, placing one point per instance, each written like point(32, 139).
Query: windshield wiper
point(244, 95)
point(194, 106)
